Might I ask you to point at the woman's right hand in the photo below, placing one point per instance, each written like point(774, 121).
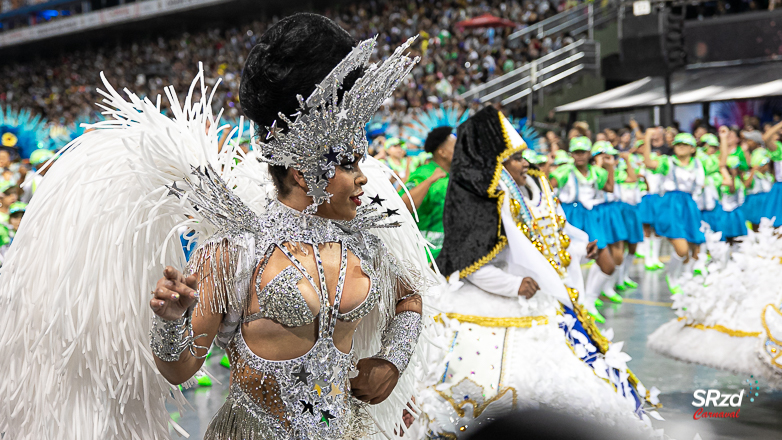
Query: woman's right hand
point(174, 294)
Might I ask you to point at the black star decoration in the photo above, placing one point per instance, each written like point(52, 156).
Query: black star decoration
point(331, 156)
point(326, 417)
point(324, 176)
point(301, 376)
point(390, 212)
point(308, 407)
point(377, 200)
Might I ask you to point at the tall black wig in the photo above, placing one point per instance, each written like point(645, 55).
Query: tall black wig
point(290, 59)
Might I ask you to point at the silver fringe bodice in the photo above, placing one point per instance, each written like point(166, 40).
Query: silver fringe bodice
point(309, 396)
point(302, 398)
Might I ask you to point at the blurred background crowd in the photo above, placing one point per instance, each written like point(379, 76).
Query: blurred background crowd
point(453, 59)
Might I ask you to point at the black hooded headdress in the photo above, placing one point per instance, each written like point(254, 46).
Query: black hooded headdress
point(471, 218)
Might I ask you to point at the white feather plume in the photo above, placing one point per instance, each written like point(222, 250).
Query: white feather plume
point(75, 286)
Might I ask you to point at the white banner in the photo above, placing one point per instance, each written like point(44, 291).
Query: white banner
point(102, 18)
point(643, 7)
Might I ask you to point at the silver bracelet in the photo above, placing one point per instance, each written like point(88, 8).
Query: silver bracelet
point(169, 339)
point(399, 339)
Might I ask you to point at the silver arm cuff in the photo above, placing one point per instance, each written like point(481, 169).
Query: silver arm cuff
point(169, 339)
point(400, 338)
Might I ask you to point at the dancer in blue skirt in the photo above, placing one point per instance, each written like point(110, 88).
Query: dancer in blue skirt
point(758, 181)
point(580, 186)
point(733, 222)
point(678, 217)
point(709, 155)
point(609, 214)
point(629, 194)
point(773, 206)
point(647, 211)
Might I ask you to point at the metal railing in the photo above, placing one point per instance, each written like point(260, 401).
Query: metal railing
point(537, 74)
point(583, 18)
point(583, 55)
point(554, 67)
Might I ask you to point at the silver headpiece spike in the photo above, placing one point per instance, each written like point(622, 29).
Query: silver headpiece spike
point(325, 132)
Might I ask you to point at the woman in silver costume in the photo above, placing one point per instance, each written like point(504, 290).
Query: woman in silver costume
point(286, 291)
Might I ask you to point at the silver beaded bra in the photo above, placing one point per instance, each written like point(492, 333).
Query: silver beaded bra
point(309, 396)
point(302, 398)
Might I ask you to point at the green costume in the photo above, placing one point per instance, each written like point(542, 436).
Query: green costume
point(596, 174)
point(620, 176)
point(710, 162)
point(776, 155)
point(430, 213)
point(758, 155)
point(666, 163)
point(738, 152)
point(5, 235)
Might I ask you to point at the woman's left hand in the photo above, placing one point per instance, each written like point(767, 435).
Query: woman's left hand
point(375, 381)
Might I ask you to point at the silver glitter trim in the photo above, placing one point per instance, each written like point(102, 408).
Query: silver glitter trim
point(231, 256)
point(281, 300)
point(362, 309)
point(284, 390)
point(234, 253)
point(212, 198)
point(240, 419)
point(324, 131)
point(169, 339)
point(400, 338)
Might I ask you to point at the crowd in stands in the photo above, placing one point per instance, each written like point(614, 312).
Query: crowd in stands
point(18, 182)
point(700, 9)
point(453, 60)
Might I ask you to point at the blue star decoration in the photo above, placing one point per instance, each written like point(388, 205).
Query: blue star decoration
point(325, 417)
point(301, 376)
point(377, 200)
point(390, 212)
point(331, 156)
point(308, 407)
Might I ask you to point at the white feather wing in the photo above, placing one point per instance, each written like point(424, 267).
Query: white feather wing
point(410, 250)
point(75, 287)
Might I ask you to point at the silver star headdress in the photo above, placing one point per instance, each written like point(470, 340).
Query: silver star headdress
point(325, 132)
